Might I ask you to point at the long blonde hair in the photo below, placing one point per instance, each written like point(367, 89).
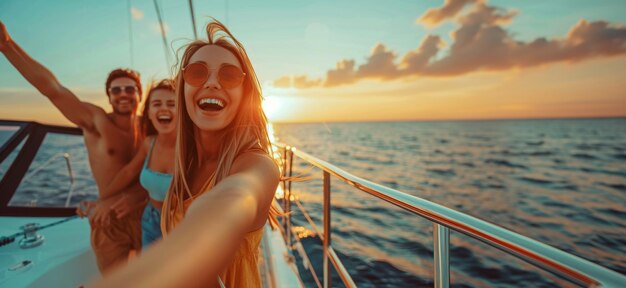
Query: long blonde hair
point(247, 130)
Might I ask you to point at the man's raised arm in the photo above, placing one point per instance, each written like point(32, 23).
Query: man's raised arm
point(42, 79)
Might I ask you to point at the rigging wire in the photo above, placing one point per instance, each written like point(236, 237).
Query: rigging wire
point(130, 35)
point(167, 54)
point(193, 20)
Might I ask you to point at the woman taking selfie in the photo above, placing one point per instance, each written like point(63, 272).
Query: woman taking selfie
point(224, 177)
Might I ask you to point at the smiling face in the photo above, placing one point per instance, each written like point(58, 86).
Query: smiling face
point(213, 107)
point(123, 103)
point(201, 137)
point(162, 110)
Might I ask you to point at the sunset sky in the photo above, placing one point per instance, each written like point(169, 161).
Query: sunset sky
point(324, 61)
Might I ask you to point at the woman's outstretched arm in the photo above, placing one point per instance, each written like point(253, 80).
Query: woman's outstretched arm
point(201, 246)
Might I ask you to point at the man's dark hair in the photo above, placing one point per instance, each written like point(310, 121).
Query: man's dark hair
point(123, 73)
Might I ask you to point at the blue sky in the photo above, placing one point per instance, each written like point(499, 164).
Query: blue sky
point(81, 41)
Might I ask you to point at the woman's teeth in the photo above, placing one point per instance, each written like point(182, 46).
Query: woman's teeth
point(164, 119)
point(211, 104)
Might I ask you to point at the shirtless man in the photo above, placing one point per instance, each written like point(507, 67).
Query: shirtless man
point(109, 142)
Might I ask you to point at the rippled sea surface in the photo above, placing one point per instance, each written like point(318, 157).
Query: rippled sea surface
point(48, 182)
point(561, 182)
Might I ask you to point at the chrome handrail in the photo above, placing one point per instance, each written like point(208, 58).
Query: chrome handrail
point(69, 170)
point(567, 266)
point(70, 173)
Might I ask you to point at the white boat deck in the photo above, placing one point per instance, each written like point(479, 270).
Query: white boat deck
point(64, 259)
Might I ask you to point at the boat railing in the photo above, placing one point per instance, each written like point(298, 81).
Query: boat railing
point(567, 266)
point(45, 164)
point(24, 143)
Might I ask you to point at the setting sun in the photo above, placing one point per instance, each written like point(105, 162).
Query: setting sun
point(273, 107)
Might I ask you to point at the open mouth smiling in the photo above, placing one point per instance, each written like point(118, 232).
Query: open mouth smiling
point(164, 119)
point(211, 104)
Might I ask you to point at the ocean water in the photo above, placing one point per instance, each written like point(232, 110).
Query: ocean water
point(561, 182)
point(48, 182)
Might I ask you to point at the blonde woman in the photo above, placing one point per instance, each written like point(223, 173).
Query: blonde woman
point(224, 177)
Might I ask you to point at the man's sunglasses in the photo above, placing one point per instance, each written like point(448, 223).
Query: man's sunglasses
point(117, 90)
point(229, 76)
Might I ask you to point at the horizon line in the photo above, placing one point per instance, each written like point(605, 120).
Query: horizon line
point(452, 119)
point(387, 120)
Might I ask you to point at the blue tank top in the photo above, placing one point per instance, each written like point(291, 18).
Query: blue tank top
point(156, 183)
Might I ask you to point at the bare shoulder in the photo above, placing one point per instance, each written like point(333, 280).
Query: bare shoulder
point(257, 163)
point(145, 144)
point(147, 141)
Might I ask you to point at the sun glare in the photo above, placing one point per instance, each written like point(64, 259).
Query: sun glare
point(272, 107)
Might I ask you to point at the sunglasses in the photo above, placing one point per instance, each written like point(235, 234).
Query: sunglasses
point(229, 76)
point(117, 90)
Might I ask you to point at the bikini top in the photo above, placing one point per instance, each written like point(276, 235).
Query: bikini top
point(156, 183)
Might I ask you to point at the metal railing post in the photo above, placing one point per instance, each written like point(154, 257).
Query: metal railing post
point(326, 229)
point(71, 174)
point(288, 199)
point(284, 184)
point(441, 239)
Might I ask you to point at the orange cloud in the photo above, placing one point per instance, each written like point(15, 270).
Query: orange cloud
point(303, 82)
point(283, 82)
point(415, 61)
point(296, 81)
point(450, 9)
point(343, 74)
point(480, 43)
point(380, 64)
